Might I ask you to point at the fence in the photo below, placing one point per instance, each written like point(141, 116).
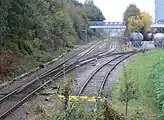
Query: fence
point(138, 45)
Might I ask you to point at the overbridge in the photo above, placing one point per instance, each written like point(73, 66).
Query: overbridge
point(117, 25)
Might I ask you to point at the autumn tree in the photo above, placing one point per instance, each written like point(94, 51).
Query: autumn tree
point(147, 20)
point(141, 22)
point(134, 24)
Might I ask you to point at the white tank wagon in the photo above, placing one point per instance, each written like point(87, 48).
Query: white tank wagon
point(158, 40)
point(136, 39)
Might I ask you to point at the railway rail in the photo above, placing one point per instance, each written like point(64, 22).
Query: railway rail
point(17, 97)
point(100, 70)
point(24, 92)
point(101, 82)
point(47, 70)
point(50, 65)
point(53, 70)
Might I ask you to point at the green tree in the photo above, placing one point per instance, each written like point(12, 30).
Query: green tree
point(131, 10)
point(129, 90)
point(93, 12)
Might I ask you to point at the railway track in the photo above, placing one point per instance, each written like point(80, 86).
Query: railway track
point(95, 83)
point(18, 96)
point(49, 72)
point(43, 72)
point(12, 102)
point(99, 49)
point(100, 76)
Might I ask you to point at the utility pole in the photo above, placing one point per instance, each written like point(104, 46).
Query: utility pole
point(86, 34)
point(109, 34)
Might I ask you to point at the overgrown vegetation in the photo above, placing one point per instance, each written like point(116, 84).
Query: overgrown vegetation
point(135, 88)
point(159, 86)
point(81, 109)
point(37, 27)
point(141, 69)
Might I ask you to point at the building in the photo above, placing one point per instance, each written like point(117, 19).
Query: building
point(159, 11)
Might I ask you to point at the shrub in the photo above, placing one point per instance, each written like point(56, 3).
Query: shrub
point(159, 87)
point(7, 63)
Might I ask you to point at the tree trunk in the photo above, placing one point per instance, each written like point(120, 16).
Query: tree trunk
point(66, 95)
point(126, 109)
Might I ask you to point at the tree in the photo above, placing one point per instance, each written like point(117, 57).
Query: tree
point(66, 89)
point(147, 20)
point(129, 90)
point(141, 22)
point(93, 12)
point(134, 24)
point(131, 10)
point(89, 2)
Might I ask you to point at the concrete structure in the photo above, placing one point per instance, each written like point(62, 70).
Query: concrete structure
point(159, 11)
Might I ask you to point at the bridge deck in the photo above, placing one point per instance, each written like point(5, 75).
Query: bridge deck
point(108, 27)
point(116, 25)
point(121, 26)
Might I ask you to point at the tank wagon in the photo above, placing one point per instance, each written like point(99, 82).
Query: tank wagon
point(136, 39)
point(159, 40)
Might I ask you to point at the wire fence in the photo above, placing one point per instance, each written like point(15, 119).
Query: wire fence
point(139, 45)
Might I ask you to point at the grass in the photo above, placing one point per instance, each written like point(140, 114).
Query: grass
point(141, 68)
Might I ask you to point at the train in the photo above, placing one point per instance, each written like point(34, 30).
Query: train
point(159, 40)
point(137, 38)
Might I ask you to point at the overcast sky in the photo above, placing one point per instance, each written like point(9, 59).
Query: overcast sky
point(114, 9)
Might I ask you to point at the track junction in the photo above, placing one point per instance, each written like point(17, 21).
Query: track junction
point(17, 93)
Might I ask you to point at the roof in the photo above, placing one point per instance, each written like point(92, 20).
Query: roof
point(156, 25)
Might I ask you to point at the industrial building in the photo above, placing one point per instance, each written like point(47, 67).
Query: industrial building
point(159, 11)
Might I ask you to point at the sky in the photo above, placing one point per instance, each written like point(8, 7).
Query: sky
point(113, 9)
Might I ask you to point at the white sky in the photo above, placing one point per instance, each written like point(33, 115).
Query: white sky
point(113, 9)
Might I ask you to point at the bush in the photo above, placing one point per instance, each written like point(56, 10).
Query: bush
point(7, 63)
point(159, 86)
